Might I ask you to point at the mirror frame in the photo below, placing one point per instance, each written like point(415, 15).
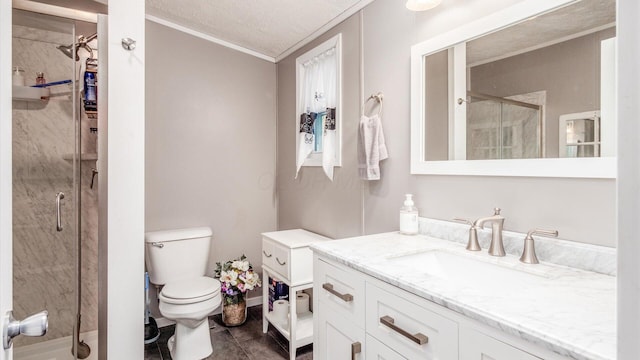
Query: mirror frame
point(601, 167)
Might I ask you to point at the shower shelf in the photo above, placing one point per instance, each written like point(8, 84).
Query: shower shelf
point(29, 93)
point(85, 157)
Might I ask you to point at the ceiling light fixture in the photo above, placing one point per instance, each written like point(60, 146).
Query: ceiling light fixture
point(422, 5)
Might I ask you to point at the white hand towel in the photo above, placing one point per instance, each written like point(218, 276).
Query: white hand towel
point(371, 147)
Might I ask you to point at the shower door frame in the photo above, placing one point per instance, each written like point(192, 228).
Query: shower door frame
point(121, 241)
point(71, 16)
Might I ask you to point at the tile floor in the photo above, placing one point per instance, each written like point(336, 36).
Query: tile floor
point(236, 343)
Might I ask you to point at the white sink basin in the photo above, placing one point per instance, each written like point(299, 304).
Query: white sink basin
point(467, 270)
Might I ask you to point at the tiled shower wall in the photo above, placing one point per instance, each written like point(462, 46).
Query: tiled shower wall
point(44, 260)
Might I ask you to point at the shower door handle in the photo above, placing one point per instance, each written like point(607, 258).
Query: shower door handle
point(59, 198)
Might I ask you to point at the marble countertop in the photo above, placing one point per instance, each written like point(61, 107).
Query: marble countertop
point(569, 311)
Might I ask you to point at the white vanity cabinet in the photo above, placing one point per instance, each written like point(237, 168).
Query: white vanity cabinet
point(386, 322)
point(475, 345)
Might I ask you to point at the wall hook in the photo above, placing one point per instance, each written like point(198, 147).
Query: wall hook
point(128, 44)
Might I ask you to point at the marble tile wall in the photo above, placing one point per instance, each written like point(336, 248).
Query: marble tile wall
point(44, 262)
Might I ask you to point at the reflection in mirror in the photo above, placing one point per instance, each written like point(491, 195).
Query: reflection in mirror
point(520, 82)
point(503, 128)
point(436, 95)
point(579, 135)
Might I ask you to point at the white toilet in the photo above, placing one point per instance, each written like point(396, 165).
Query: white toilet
point(178, 259)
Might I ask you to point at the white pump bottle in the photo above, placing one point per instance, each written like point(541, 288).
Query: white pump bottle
point(408, 217)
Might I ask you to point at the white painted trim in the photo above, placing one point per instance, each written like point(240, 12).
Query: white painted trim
point(6, 235)
point(604, 167)
point(323, 29)
point(125, 194)
point(254, 301)
point(59, 11)
point(210, 38)
point(338, 19)
point(628, 192)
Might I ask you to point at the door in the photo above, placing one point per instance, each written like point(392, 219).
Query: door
point(338, 338)
point(379, 351)
point(42, 191)
point(477, 346)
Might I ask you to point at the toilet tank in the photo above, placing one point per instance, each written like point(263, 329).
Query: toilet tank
point(177, 254)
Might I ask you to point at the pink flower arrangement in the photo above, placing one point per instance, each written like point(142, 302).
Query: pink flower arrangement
point(236, 278)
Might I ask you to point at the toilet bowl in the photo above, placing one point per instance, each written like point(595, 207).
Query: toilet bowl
point(189, 302)
point(178, 259)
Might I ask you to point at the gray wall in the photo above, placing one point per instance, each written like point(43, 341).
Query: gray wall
point(210, 142)
point(312, 201)
point(582, 210)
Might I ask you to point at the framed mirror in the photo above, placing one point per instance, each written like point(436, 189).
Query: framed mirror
point(497, 96)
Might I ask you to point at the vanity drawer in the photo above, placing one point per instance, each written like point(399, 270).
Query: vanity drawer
point(411, 330)
point(378, 350)
point(277, 257)
point(475, 345)
point(342, 290)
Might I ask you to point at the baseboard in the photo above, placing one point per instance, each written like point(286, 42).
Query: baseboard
point(254, 301)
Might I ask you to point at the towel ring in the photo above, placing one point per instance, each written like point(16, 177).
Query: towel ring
point(378, 97)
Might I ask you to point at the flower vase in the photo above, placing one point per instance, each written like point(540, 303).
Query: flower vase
point(234, 310)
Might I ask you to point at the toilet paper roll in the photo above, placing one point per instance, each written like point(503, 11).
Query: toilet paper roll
point(281, 310)
point(302, 303)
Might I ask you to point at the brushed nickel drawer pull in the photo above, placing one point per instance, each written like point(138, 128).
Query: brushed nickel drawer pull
point(356, 348)
point(281, 263)
point(418, 338)
point(267, 255)
point(343, 297)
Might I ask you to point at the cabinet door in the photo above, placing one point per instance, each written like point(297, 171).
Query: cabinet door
point(477, 346)
point(341, 290)
point(337, 339)
point(379, 351)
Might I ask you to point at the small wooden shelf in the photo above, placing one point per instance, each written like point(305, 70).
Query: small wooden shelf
point(91, 114)
point(304, 327)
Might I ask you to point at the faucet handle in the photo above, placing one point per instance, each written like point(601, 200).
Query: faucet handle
point(496, 211)
point(472, 244)
point(529, 251)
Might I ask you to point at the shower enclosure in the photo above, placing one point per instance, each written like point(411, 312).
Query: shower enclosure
point(55, 212)
point(501, 128)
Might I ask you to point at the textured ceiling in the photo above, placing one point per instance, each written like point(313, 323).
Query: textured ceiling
point(269, 27)
point(564, 22)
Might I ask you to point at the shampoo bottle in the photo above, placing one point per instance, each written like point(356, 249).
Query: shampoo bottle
point(408, 217)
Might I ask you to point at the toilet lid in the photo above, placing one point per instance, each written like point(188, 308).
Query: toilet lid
point(191, 288)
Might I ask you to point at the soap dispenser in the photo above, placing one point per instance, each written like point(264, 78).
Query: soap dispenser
point(408, 217)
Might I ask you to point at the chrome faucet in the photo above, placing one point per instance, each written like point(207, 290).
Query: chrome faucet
point(496, 248)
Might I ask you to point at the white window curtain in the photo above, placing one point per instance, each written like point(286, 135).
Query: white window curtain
point(318, 100)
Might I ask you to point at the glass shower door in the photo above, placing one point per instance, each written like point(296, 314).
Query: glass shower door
point(44, 174)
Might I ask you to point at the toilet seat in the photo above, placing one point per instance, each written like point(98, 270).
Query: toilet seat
point(189, 291)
